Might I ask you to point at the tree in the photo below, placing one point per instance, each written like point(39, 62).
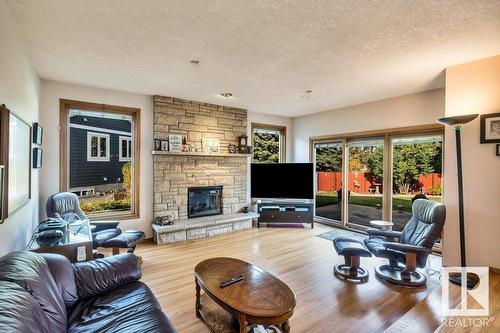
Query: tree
point(409, 162)
point(266, 147)
point(329, 159)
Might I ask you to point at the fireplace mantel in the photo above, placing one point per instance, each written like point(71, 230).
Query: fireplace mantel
point(165, 152)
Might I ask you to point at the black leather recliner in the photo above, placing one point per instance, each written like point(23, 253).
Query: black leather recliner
point(408, 249)
point(46, 293)
point(106, 234)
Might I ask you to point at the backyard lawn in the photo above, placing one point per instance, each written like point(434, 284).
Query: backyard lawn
point(401, 203)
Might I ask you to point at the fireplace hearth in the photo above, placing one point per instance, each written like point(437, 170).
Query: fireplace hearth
point(204, 201)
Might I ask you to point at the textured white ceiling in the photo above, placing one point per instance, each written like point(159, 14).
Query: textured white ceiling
point(267, 53)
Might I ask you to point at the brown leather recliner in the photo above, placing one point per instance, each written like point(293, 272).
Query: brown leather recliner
point(46, 293)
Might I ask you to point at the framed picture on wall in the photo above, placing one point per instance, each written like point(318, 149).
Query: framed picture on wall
point(37, 134)
point(37, 158)
point(498, 150)
point(490, 128)
point(1, 194)
point(16, 158)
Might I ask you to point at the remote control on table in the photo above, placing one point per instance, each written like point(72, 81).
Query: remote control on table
point(232, 280)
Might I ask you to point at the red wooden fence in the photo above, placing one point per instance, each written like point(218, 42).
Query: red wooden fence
point(361, 182)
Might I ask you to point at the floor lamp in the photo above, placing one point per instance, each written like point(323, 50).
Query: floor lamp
point(457, 122)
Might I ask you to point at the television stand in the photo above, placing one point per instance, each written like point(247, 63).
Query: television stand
point(285, 212)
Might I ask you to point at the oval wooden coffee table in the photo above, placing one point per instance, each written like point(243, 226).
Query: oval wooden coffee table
point(260, 298)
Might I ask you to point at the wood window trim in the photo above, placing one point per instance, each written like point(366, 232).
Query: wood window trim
point(135, 113)
point(281, 129)
point(97, 158)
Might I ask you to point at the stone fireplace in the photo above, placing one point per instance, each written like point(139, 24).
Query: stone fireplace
point(176, 173)
point(204, 201)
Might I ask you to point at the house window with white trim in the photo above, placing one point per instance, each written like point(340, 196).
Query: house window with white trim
point(125, 149)
point(97, 147)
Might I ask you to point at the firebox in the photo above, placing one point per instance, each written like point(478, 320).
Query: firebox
point(204, 201)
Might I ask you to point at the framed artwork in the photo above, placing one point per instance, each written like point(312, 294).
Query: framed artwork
point(37, 133)
point(175, 142)
point(16, 159)
point(37, 158)
point(490, 128)
point(157, 144)
point(210, 145)
point(164, 145)
point(498, 150)
point(1, 193)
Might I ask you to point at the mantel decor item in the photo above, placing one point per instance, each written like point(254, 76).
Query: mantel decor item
point(210, 145)
point(490, 128)
point(164, 145)
point(231, 149)
point(157, 144)
point(37, 133)
point(175, 142)
point(242, 144)
point(457, 122)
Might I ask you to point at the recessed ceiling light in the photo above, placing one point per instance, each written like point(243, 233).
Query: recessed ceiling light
point(226, 94)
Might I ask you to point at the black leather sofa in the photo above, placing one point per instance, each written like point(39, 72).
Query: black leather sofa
point(46, 293)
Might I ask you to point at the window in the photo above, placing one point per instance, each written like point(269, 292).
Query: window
point(268, 143)
point(97, 147)
point(125, 153)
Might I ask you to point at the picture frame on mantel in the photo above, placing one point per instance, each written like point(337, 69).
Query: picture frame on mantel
point(175, 143)
point(490, 128)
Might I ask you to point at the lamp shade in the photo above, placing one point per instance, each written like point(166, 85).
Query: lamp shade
point(458, 120)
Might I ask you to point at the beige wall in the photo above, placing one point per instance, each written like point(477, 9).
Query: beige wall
point(473, 88)
point(51, 92)
point(410, 110)
point(19, 91)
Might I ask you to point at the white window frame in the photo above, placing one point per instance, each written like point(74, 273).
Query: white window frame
point(91, 158)
point(129, 148)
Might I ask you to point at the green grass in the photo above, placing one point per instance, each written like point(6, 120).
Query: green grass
point(401, 203)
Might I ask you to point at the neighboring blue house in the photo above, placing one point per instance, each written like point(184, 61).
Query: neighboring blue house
point(98, 148)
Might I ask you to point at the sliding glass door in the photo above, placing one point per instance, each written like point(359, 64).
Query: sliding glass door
point(416, 170)
point(365, 180)
point(361, 179)
point(328, 158)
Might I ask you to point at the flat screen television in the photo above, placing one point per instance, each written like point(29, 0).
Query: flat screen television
point(282, 180)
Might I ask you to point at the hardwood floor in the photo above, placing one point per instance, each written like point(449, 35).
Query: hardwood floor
point(301, 260)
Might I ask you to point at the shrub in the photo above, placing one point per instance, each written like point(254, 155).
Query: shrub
point(97, 206)
point(127, 176)
point(435, 190)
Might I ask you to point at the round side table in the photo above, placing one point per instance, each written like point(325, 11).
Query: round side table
point(382, 225)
